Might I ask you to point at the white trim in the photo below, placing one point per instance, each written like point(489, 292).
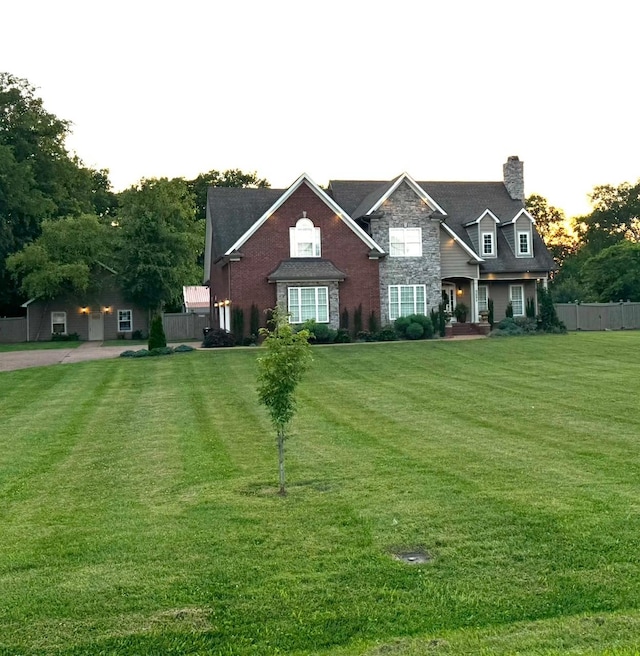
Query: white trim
point(459, 241)
point(522, 212)
point(487, 212)
point(519, 251)
point(294, 238)
point(315, 289)
point(119, 320)
point(486, 298)
point(492, 252)
point(511, 288)
point(415, 303)
point(304, 178)
point(422, 194)
point(397, 242)
point(64, 322)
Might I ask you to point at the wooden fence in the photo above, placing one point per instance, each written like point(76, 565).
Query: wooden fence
point(13, 330)
point(184, 326)
point(599, 316)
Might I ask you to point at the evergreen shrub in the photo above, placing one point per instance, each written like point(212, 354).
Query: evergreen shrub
point(157, 337)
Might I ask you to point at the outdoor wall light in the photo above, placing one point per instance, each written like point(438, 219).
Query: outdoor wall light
point(107, 309)
point(84, 310)
point(459, 291)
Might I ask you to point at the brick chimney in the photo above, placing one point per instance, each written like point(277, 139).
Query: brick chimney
point(513, 171)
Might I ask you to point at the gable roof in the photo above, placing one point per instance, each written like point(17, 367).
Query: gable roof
point(235, 214)
point(196, 297)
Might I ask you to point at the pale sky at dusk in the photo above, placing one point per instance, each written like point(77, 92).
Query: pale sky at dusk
point(341, 89)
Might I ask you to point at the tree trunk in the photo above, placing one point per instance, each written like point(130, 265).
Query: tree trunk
point(282, 491)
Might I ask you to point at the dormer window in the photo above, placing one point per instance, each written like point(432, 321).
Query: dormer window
point(304, 239)
point(488, 247)
point(524, 243)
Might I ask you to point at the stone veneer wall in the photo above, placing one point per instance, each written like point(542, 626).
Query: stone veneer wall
point(403, 209)
point(334, 297)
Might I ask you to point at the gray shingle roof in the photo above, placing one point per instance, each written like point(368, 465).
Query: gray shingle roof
point(306, 268)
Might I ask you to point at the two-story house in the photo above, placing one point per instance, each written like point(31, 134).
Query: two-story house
point(390, 248)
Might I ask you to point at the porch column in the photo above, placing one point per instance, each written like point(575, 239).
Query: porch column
point(474, 301)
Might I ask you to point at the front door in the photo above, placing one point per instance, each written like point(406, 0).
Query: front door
point(449, 297)
point(96, 327)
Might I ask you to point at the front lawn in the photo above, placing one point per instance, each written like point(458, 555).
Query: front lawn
point(138, 511)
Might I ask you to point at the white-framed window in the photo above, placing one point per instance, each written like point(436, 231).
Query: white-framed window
point(59, 323)
point(524, 242)
point(405, 242)
point(516, 296)
point(125, 321)
point(405, 300)
point(488, 244)
point(304, 239)
point(483, 298)
point(308, 303)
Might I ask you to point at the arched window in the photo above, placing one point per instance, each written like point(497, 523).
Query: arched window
point(304, 239)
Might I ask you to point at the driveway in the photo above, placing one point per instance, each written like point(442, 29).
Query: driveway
point(41, 358)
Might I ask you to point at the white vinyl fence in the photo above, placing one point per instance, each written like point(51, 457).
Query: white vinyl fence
point(599, 316)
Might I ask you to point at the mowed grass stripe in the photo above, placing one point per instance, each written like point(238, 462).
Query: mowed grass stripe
point(156, 529)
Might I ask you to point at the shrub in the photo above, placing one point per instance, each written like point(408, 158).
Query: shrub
point(490, 318)
point(342, 336)
point(442, 319)
point(319, 333)
point(183, 348)
point(218, 338)
point(425, 322)
point(254, 321)
point(161, 350)
point(357, 319)
point(141, 353)
point(530, 309)
point(61, 337)
point(461, 311)
point(509, 311)
point(387, 334)
point(414, 331)
point(237, 323)
point(251, 340)
point(373, 322)
point(128, 354)
point(344, 319)
point(138, 335)
point(549, 321)
point(366, 336)
point(157, 337)
point(401, 324)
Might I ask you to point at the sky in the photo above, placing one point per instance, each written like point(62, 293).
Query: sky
point(341, 89)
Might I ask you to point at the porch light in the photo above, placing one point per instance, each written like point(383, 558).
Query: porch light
point(459, 291)
point(84, 310)
point(227, 302)
point(107, 309)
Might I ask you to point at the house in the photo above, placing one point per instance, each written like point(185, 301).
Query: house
point(195, 299)
point(381, 248)
point(101, 314)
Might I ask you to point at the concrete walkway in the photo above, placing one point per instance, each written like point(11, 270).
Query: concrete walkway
point(42, 357)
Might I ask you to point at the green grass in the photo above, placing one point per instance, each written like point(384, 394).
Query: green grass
point(138, 511)
point(35, 346)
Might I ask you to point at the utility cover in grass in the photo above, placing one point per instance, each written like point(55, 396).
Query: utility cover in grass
point(417, 557)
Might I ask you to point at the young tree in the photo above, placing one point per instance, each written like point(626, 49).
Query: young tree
point(280, 369)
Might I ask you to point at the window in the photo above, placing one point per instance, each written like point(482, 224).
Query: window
point(524, 243)
point(405, 242)
point(483, 298)
point(59, 323)
point(309, 303)
point(487, 243)
point(516, 296)
point(405, 300)
point(125, 321)
point(304, 239)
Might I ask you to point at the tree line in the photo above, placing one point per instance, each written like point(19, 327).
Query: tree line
point(61, 223)
point(598, 255)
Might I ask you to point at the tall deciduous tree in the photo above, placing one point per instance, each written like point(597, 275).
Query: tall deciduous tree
point(39, 180)
point(66, 258)
point(160, 241)
point(229, 178)
point(614, 273)
point(553, 227)
point(286, 358)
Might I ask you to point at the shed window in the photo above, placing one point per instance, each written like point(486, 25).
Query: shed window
point(125, 321)
point(59, 323)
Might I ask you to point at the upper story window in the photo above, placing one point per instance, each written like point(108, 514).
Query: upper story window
point(405, 242)
point(488, 245)
point(524, 243)
point(304, 239)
